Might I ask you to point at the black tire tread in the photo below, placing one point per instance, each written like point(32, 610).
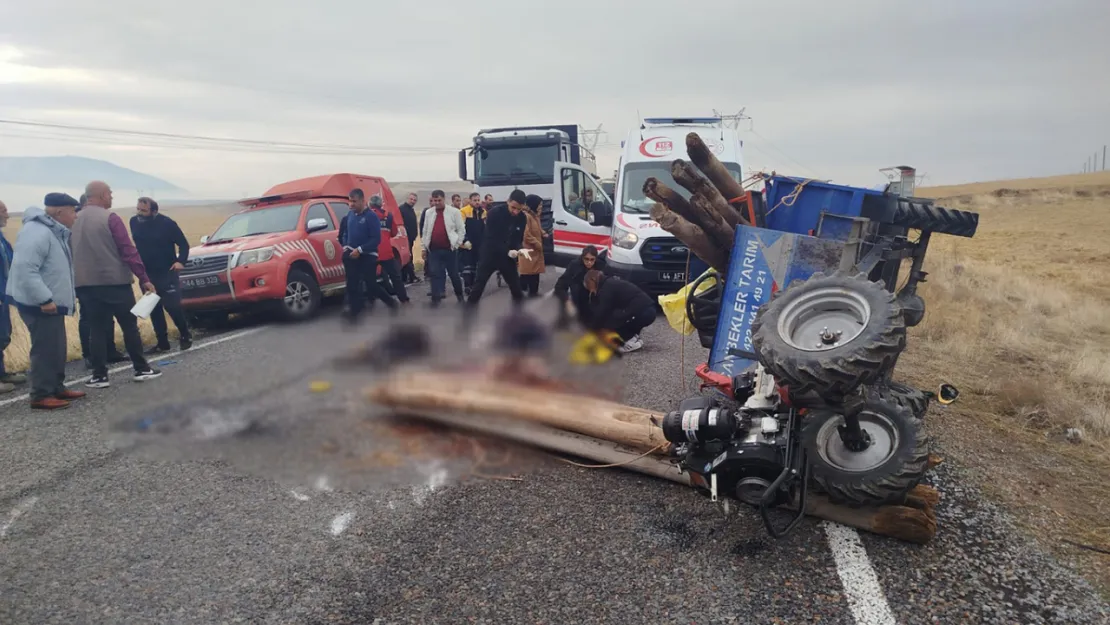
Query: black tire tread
point(317, 295)
point(870, 490)
point(831, 377)
point(906, 396)
point(927, 216)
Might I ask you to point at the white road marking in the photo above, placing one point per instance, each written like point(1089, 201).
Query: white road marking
point(217, 341)
point(17, 512)
point(299, 496)
point(340, 523)
point(861, 584)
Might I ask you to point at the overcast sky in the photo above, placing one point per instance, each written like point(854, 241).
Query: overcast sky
point(963, 90)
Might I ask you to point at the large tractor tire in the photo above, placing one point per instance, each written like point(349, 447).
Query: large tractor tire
point(829, 334)
point(905, 396)
point(891, 466)
point(926, 216)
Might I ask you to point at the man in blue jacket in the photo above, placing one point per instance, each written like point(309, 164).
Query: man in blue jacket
point(8, 381)
point(41, 286)
point(360, 238)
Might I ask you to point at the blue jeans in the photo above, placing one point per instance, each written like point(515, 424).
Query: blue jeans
point(5, 333)
point(440, 261)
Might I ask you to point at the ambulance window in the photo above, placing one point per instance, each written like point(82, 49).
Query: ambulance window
point(319, 211)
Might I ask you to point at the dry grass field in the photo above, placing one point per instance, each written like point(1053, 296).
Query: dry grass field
point(1017, 318)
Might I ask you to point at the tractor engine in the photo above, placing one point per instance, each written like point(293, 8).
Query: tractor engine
point(738, 452)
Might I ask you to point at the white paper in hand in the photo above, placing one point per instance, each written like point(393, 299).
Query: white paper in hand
point(527, 253)
point(145, 305)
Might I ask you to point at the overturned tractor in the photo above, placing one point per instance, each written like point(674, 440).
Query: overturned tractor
point(805, 322)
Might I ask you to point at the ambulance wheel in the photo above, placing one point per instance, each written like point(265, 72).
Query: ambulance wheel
point(302, 296)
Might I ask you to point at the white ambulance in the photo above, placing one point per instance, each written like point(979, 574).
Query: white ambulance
point(637, 248)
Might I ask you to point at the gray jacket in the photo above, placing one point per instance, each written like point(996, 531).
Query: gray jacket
point(42, 265)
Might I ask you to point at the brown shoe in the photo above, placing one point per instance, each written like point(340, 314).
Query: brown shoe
point(69, 395)
point(50, 403)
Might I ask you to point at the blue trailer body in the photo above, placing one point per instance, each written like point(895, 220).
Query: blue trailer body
point(815, 208)
point(762, 262)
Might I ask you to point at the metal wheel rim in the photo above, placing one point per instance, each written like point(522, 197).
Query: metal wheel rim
point(824, 319)
point(297, 296)
point(885, 440)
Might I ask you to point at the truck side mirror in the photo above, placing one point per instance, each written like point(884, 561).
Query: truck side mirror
point(601, 214)
point(462, 164)
point(204, 239)
point(316, 225)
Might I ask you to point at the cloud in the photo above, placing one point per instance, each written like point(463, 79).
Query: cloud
point(963, 90)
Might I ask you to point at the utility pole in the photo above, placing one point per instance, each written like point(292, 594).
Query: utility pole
point(733, 121)
point(1104, 157)
point(590, 138)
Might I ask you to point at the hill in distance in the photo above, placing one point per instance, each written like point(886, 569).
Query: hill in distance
point(74, 172)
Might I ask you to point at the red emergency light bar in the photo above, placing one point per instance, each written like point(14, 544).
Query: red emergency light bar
point(270, 199)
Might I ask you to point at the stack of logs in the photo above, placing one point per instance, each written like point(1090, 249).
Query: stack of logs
point(706, 222)
point(606, 432)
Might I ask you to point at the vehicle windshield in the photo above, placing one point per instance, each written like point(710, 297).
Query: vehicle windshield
point(515, 164)
point(280, 218)
point(635, 174)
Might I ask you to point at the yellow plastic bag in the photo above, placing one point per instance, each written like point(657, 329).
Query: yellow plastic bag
point(674, 305)
point(594, 348)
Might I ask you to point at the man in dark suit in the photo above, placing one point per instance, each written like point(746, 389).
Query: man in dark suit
point(408, 220)
point(501, 243)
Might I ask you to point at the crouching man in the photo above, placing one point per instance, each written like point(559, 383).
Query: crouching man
point(40, 285)
point(619, 306)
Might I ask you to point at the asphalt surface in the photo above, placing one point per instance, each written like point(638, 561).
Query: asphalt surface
point(306, 522)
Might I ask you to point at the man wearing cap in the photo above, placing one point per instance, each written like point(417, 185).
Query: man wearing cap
point(83, 324)
point(164, 250)
point(40, 284)
point(8, 381)
point(104, 261)
point(387, 260)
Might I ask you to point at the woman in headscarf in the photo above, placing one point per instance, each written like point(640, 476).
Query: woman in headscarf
point(530, 269)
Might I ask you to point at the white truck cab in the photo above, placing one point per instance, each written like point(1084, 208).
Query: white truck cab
point(638, 249)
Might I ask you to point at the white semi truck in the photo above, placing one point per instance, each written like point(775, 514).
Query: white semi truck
point(500, 160)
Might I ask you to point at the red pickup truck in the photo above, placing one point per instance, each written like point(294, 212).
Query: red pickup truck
point(282, 251)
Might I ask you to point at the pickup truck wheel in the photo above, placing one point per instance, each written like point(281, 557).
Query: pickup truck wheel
point(302, 296)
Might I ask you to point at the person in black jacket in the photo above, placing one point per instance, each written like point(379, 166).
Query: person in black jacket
point(408, 220)
point(619, 306)
point(569, 288)
point(501, 242)
point(156, 237)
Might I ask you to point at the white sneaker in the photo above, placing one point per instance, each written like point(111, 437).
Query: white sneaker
point(631, 345)
point(6, 388)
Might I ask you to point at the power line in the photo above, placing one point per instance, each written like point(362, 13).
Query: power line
point(223, 141)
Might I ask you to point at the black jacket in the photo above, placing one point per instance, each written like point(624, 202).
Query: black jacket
point(569, 285)
point(408, 220)
point(615, 302)
point(503, 232)
point(156, 238)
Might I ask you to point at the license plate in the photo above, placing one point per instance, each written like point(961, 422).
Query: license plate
point(199, 283)
point(676, 276)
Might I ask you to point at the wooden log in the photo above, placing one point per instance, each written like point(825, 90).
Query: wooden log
point(687, 175)
point(723, 234)
point(517, 414)
point(703, 158)
point(667, 196)
point(693, 236)
point(423, 390)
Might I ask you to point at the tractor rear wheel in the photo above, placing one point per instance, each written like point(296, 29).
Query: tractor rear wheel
point(890, 467)
point(829, 334)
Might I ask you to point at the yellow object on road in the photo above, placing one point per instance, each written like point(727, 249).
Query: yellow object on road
point(319, 386)
point(674, 304)
point(595, 348)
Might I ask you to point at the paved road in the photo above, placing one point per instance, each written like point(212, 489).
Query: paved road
point(307, 523)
